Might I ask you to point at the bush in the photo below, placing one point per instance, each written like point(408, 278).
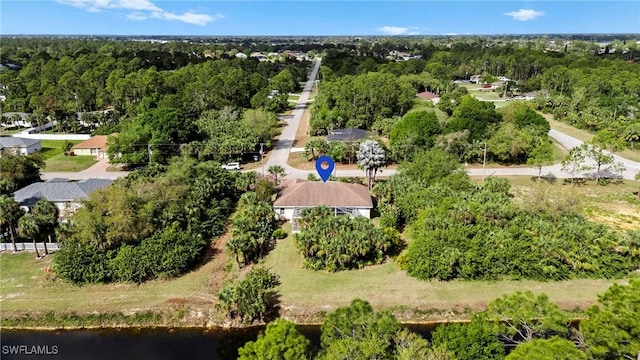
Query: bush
point(342, 242)
point(279, 234)
point(251, 298)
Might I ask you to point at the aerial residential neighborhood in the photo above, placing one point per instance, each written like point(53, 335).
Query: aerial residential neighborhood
point(204, 180)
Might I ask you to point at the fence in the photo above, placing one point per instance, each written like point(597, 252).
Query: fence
point(55, 136)
point(29, 246)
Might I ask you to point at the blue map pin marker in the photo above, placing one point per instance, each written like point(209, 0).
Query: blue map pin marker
point(324, 173)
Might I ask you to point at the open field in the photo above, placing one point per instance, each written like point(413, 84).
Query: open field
point(25, 287)
point(615, 204)
point(311, 292)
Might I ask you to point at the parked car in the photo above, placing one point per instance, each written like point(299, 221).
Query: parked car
point(232, 166)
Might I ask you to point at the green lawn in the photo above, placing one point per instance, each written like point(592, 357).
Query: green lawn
point(62, 163)
point(305, 294)
point(312, 292)
point(51, 148)
point(25, 286)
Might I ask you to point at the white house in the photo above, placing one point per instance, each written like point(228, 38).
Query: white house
point(342, 198)
point(19, 146)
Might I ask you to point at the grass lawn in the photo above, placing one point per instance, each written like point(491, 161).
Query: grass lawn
point(51, 148)
point(311, 292)
point(62, 163)
point(25, 285)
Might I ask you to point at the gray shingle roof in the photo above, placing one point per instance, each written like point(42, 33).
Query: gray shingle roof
point(13, 141)
point(58, 191)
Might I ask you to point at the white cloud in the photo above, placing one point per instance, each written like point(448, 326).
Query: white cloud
point(141, 10)
point(525, 14)
point(393, 30)
point(450, 34)
point(188, 17)
point(136, 16)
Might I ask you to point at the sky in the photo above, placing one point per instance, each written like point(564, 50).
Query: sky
point(308, 17)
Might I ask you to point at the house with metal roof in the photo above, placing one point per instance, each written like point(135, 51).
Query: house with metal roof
point(342, 198)
point(18, 145)
point(65, 194)
point(348, 134)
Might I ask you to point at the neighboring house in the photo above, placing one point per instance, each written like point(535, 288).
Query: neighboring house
point(16, 119)
point(241, 55)
point(475, 78)
point(348, 134)
point(19, 146)
point(428, 95)
point(65, 194)
point(96, 146)
point(342, 198)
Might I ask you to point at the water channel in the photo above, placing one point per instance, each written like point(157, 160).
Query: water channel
point(142, 343)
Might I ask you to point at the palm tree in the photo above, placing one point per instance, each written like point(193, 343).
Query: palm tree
point(371, 157)
point(276, 171)
point(46, 215)
point(28, 227)
point(10, 212)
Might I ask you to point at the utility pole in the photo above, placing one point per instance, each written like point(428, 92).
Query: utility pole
point(262, 156)
point(150, 152)
point(484, 160)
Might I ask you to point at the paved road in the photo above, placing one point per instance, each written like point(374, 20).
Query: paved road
point(280, 152)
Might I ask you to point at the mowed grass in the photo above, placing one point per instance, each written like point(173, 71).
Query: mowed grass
point(62, 163)
point(26, 286)
point(386, 286)
point(56, 161)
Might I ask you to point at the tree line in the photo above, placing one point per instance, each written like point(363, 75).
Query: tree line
point(154, 223)
point(515, 326)
point(461, 230)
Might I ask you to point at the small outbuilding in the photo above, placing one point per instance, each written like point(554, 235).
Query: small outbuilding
point(342, 198)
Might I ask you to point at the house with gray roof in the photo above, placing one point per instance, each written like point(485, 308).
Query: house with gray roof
point(65, 194)
point(18, 145)
point(346, 135)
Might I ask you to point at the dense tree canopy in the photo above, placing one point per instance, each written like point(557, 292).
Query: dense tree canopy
point(357, 101)
point(17, 171)
point(144, 227)
point(340, 242)
point(281, 341)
